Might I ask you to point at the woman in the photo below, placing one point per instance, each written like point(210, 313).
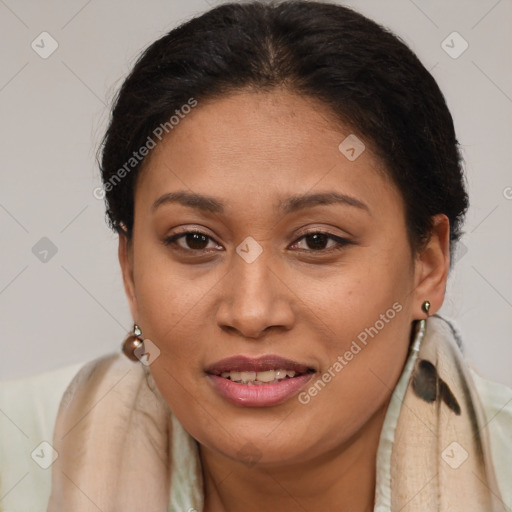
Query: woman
point(287, 188)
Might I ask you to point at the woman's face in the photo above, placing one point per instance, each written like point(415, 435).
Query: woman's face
point(258, 175)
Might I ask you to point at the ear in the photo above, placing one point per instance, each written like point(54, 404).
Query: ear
point(125, 254)
point(432, 265)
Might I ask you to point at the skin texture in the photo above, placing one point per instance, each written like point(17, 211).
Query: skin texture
point(297, 299)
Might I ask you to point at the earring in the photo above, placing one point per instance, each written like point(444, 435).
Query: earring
point(421, 328)
point(132, 343)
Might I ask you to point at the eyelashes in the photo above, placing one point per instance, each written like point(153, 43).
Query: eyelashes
point(172, 240)
point(339, 241)
point(315, 236)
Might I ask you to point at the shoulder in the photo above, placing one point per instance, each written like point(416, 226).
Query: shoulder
point(110, 413)
point(29, 408)
point(99, 376)
point(497, 402)
point(28, 412)
point(31, 403)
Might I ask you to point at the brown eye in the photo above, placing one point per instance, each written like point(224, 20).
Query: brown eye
point(316, 241)
point(194, 241)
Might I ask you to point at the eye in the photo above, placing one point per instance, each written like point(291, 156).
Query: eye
point(317, 240)
point(195, 240)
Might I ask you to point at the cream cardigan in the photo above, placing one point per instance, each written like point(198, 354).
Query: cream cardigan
point(28, 410)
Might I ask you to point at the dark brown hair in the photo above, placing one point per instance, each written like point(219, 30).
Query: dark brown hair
point(367, 76)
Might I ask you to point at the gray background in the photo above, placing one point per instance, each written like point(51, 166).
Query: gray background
point(68, 307)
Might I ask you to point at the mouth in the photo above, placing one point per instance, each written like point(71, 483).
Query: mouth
point(268, 380)
point(260, 378)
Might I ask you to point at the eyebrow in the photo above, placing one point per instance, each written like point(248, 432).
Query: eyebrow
point(289, 205)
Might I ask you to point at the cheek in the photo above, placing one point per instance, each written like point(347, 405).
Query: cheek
point(374, 290)
point(366, 317)
point(172, 315)
point(166, 294)
point(362, 366)
point(171, 312)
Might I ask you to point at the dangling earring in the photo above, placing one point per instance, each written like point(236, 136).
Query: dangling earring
point(132, 343)
point(421, 327)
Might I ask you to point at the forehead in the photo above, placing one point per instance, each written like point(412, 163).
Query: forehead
point(267, 125)
point(277, 143)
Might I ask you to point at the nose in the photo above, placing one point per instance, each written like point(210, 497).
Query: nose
point(255, 299)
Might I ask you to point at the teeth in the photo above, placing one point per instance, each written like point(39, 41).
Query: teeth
point(267, 376)
point(258, 377)
point(248, 376)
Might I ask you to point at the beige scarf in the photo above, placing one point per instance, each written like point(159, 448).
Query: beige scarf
point(121, 449)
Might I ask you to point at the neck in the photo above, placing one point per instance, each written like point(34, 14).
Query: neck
point(342, 479)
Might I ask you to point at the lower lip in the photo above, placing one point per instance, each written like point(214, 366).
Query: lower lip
point(259, 395)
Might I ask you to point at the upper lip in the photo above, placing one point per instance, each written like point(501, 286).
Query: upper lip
point(263, 363)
